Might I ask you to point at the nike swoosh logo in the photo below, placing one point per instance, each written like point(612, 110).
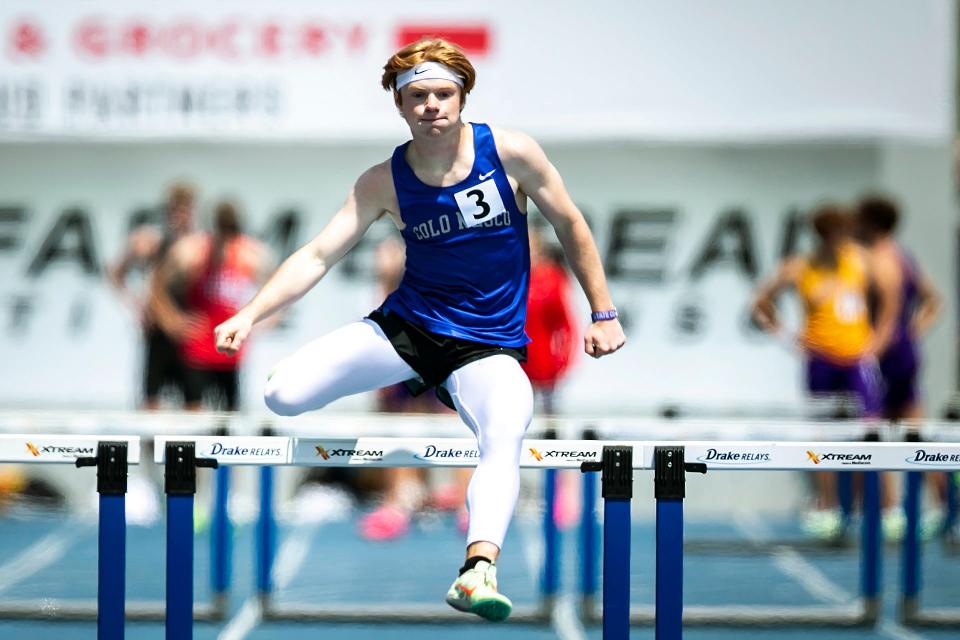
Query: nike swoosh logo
point(419, 71)
point(468, 592)
point(484, 176)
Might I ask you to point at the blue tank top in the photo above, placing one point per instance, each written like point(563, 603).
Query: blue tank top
point(468, 257)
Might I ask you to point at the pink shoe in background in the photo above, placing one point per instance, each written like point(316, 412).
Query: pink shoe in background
point(384, 523)
point(566, 503)
point(448, 497)
point(463, 520)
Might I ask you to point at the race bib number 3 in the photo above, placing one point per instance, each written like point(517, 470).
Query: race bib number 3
point(480, 203)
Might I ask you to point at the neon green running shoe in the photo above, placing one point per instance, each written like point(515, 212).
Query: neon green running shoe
point(823, 524)
point(476, 592)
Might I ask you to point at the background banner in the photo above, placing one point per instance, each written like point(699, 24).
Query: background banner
point(702, 69)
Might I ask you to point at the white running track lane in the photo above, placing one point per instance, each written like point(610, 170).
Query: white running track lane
point(565, 621)
point(289, 560)
point(814, 581)
point(40, 555)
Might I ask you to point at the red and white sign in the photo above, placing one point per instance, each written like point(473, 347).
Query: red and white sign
point(705, 70)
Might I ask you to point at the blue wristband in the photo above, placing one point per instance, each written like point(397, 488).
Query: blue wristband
point(597, 316)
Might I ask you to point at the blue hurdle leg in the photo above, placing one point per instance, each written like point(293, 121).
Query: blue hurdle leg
point(872, 545)
point(221, 537)
point(180, 477)
point(179, 567)
point(616, 569)
point(111, 567)
point(111, 464)
point(550, 579)
point(589, 547)
point(669, 620)
point(911, 544)
point(266, 533)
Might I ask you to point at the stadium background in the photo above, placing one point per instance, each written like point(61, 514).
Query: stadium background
point(692, 134)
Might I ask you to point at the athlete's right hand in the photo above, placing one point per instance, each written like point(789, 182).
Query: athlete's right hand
point(764, 314)
point(230, 335)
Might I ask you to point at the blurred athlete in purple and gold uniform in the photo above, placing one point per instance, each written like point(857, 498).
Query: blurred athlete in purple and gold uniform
point(915, 301)
point(916, 304)
point(837, 337)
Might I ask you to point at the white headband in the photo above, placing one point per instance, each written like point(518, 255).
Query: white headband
point(427, 71)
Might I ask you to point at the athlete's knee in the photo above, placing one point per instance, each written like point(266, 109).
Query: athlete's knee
point(280, 398)
point(502, 439)
point(281, 403)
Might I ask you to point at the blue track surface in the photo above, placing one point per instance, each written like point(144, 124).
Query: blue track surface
point(48, 557)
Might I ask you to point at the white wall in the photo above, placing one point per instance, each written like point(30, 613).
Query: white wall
point(95, 360)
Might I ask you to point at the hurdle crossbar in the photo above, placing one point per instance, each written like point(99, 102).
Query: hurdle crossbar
point(546, 454)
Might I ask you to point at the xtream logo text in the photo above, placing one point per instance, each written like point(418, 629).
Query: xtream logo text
point(842, 458)
point(56, 450)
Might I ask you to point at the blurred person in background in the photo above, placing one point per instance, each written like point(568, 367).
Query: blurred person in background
point(837, 338)
point(406, 490)
point(917, 305)
point(915, 301)
point(146, 247)
point(550, 322)
point(458, 193)
point(218, 272)
point(553, 342)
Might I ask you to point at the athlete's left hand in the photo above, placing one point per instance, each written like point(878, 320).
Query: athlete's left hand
point(603, 338)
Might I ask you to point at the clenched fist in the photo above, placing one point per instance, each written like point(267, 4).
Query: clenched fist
point(230, 335)
point(603, 338)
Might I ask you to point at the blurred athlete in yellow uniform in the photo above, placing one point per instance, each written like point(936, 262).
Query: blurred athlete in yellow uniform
point(837, 338)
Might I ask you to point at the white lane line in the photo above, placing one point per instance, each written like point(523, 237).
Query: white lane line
point(532, 546)
point(289, 560)
point(565, 621)
point(243, 623)
point(813, 581)
point(810, 578)
point(38, 556)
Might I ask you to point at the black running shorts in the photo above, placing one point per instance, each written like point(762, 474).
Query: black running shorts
point(433, 356)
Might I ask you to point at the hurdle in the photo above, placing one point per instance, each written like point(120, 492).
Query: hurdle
point(831, 456)
point(426, 452)
point(71, 436)
point(927, 452)
point(111, 456)
point(615, 459)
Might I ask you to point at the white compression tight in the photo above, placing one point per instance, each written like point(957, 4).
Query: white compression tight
point(492, 396)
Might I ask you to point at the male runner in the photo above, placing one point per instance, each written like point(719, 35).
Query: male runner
point(458, 193)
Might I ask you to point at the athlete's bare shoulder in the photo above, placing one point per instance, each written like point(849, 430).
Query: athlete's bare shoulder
point(143, 243)
point(514, 145)
point(374, 190)
point(521, 156)
point(792, 267)
point(375, 182)
point(190, 250)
